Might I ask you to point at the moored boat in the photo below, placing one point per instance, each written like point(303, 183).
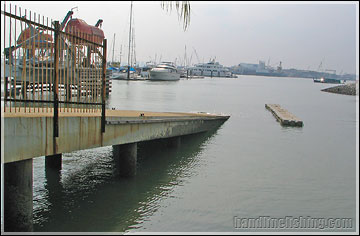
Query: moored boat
point(328, 80)
point(165, 71)
point(210, 69)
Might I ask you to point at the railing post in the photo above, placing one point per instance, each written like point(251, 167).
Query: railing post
point(6, 89)
point(56, 79)
point(103, 87)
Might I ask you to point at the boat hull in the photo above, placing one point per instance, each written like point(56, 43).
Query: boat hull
point(164, 76)
point(119, 75)
point(329, 81)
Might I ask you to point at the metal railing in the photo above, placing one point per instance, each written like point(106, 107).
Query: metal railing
point(46, 69)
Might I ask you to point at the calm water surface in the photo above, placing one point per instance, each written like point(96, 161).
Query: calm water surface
point(249, 167)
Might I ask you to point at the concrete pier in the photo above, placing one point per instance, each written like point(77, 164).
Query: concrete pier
point(283, 116)
point(30, 134)
point(125, 157)
point(18, 196)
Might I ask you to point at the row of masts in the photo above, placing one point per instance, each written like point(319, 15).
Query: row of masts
point(131, 50)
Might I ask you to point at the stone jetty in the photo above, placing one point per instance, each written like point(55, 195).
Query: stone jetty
point(346, 89)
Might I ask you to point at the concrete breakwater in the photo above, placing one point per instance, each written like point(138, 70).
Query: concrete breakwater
point(346, 89)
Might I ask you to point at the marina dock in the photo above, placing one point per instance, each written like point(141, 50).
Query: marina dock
point(283, 116)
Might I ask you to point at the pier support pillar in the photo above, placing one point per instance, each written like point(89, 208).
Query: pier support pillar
point(174, 142)
point(18, 196)
point(125, 157)
point(54, 161)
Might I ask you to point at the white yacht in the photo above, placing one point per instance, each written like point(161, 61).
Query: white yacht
point(164, 71)
point(210, 69)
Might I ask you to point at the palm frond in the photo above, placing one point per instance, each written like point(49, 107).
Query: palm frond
point(182, 9)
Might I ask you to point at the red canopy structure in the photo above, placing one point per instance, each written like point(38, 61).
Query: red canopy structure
point(82, 29)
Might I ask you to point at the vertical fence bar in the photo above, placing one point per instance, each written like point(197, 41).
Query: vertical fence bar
point(73, 63)
point(33, 65)
point(67, 82)
point(15, 74)
point(63, 50)
point(10, 60)
point(78, 41)
point(58, 49)
point(103, 87)
point(20, 59)
point(48, 60)
point(28, 64)
point(49, 76)
point(93, 76)
point(23, 73)
point(5, 60)
point(62, 70)
point(86, 73)
point(83, 70)
point(37, 68)
point(97, 76)
point(43, 61)
point(82, 84)
point(76, 82)
point(78, 69)
point(56, 79)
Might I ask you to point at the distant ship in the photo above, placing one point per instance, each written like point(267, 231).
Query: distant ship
point(328, 80)
point(165, 71)
point(210, 69)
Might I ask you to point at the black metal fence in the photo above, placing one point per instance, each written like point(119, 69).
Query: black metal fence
point(46, 69)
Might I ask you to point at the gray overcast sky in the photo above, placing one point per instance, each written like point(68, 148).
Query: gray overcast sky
point(300, 34)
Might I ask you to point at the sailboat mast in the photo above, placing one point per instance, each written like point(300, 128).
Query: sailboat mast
point(185, 63)
point(120, 55)
point(128, 75)
point(134, 48)
point(113, 50)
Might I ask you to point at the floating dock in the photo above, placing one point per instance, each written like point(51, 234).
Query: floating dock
point(283, 116)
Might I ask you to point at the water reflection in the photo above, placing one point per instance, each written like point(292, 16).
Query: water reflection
point(86, 195)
